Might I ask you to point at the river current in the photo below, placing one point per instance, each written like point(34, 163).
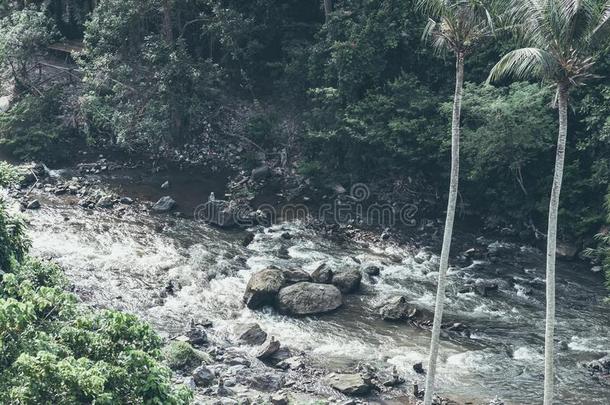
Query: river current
point(124, 262)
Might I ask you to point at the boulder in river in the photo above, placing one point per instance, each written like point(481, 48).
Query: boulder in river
point(322, 274)
point(203, 377)
point(309, 298)
point(268, 349)
point(349, 384)
point(263, 287)
point(292, 276)
point(396, 309)
point(347, 281)
point(220, 213)
point(105, 202)
point(600, 366)
point(165, 204)
point(372, 270)
point(251, 334)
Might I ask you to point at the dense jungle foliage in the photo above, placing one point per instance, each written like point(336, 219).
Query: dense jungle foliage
point(352, 95)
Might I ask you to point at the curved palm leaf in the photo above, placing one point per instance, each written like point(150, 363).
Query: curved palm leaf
point(524, 63)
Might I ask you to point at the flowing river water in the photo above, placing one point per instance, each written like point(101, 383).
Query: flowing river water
point(125, 261)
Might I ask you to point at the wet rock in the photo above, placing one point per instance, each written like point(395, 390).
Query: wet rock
point(291, 363)
point(347, 281)
point(126, 201)
point(295, 276)
point(165, 204)
point(260, 173)
point(203, 377)
point(349, 384)
point(251, 334)
point(600, 366)
point(286, 236)
point(263, 287)
point(266, 382)
point(309, 298)
point(33, 205)
point(596, 269)
point(221, 213)
point(419, 368)
point(372, 270)
point(196, 335)
point(268, 349)
point(396, 309)
point(247, 239)
point(322, 274)
point(165, 185)
point(484, 287)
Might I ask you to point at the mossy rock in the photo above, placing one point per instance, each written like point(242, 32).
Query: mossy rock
point(181, 355)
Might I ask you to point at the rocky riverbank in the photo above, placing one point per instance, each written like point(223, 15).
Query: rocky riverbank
point(297, 290)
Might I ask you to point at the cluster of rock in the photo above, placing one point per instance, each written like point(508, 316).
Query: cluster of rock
point(296, 292)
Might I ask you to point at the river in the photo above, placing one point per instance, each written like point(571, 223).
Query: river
point(124, 261)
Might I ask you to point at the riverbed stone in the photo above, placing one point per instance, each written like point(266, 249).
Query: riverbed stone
point(322, 274)
point(268, 349)
point(396, 309)
point(309, 298)
point(251, 333)
point(260, 173)
point(372, 270)
point(263, 287)
point(347, 281)
point(165, 204)
point(349, 384)
point(566, 250)
point(105, 202)
point(292, 276)
point(203, 377)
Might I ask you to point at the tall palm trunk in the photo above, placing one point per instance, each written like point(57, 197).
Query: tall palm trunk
point(444, 264)
point(328, 8)
point(551, 244)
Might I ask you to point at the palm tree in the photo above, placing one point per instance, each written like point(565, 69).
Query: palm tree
point(563, 39)
point(456, 26)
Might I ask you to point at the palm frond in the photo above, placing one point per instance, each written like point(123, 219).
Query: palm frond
point(524, 63)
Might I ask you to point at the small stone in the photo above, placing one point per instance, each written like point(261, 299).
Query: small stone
point(419, 368)
point(203, 377)
point(251, 334)
point(126, 201)
point(268, 349)
point(165, 185)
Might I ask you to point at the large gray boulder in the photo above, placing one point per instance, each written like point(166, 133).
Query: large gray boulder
point(220, 213)
point(347, 281)
point(263, 288)
point(165, 204)
point(292, 276)
point(309, 298)
point(349, 384)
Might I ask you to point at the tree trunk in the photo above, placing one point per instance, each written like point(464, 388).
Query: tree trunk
point(168, 32)
point(444, 263)
point(328, 8)
point(551, 244)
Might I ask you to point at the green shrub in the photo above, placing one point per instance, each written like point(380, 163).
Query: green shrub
point(13, 241)
point(180, 355)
